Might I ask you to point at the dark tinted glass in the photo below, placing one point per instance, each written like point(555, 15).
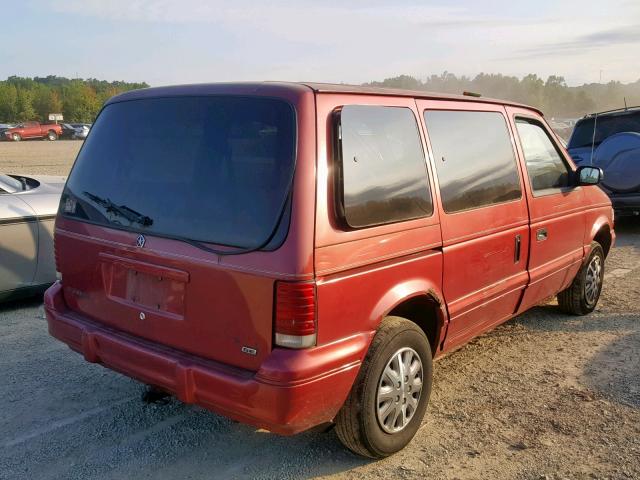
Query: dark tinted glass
point(213, 169)
point(544, 164)
point(474, 158)
point(605, 127)
point(384, 175)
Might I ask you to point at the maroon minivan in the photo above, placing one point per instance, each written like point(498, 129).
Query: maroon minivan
point(292, 255)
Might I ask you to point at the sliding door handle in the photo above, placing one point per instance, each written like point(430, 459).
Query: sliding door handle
point(541, 234)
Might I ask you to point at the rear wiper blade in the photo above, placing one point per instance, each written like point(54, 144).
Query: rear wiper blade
point(122, 210)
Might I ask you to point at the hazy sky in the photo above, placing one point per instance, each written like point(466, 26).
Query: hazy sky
point(185, 41)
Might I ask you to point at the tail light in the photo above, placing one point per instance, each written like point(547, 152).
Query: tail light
point(295, 315)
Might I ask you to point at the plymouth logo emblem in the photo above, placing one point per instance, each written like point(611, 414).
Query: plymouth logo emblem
point(140, 241)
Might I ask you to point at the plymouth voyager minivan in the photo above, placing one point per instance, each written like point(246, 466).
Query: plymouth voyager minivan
point(297, 255)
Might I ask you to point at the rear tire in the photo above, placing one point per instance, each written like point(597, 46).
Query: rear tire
point(52, 136)
point(381, 417)
point(582, 295)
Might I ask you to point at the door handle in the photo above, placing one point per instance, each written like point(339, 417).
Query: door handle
point(516, 255)
point(541, 234)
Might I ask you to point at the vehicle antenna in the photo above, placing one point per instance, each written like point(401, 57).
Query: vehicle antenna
point(625, 103)
point(593, 138)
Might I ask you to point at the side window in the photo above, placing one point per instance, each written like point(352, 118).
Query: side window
point(547, 170)
point(382, 173)
point(474, 158)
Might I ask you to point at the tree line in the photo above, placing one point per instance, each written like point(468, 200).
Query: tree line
point(79, 100)
point(553, 96)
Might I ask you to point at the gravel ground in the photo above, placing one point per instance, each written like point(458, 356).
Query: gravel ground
point(38, 156)
point(544, 396)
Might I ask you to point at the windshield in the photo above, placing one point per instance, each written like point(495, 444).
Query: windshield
point(214, 169)
point(605, 127)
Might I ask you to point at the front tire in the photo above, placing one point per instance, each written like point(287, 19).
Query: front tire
point(388, 400)
point(582, 295)
point(52, 136)
point(16, 137)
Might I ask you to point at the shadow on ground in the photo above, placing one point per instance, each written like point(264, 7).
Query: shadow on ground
point(17, 304)
point(626, 229)
point(615, 371)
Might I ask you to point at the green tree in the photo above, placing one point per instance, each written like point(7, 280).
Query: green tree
point(582, 104)
point(532, 90)
point(80, 102)
point(24, 103)
point(8, 102)
point(553, 96)
point(46, 101)
point(35, 98)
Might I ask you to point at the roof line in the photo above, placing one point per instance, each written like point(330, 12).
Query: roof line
point(382, 91)
point(204, 88)
point(621, 110)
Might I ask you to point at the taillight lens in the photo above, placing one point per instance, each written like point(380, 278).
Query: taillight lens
point(295, 322)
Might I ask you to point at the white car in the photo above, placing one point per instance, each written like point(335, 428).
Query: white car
point(28, 207)
point(82, 130)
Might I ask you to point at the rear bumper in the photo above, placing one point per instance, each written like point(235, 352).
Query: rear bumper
point(293, 391)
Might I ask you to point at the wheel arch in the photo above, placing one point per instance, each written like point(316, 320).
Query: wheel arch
point(420, 302)
point(601, 232)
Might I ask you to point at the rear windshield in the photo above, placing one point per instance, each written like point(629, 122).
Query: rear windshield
point(605, 127)
point(214, 169)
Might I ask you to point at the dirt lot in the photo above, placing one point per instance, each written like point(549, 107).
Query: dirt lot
point(544, 396)
point(38, 156)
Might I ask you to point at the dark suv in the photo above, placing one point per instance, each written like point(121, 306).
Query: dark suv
point(611, 141)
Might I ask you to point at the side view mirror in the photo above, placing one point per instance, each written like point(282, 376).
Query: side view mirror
point(588, 175)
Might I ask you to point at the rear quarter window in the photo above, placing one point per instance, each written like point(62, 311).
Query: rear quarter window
point(382, 174)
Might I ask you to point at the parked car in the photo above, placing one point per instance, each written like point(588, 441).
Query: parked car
point(27, 130)
point(81, 130)
point(294, 255)
point(611, 141)
point(28, 206)
point(68, 131)
point(3, 128)
point(75, 131)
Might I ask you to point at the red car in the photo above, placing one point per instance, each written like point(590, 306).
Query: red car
point(27, 130)
point(293, 255)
